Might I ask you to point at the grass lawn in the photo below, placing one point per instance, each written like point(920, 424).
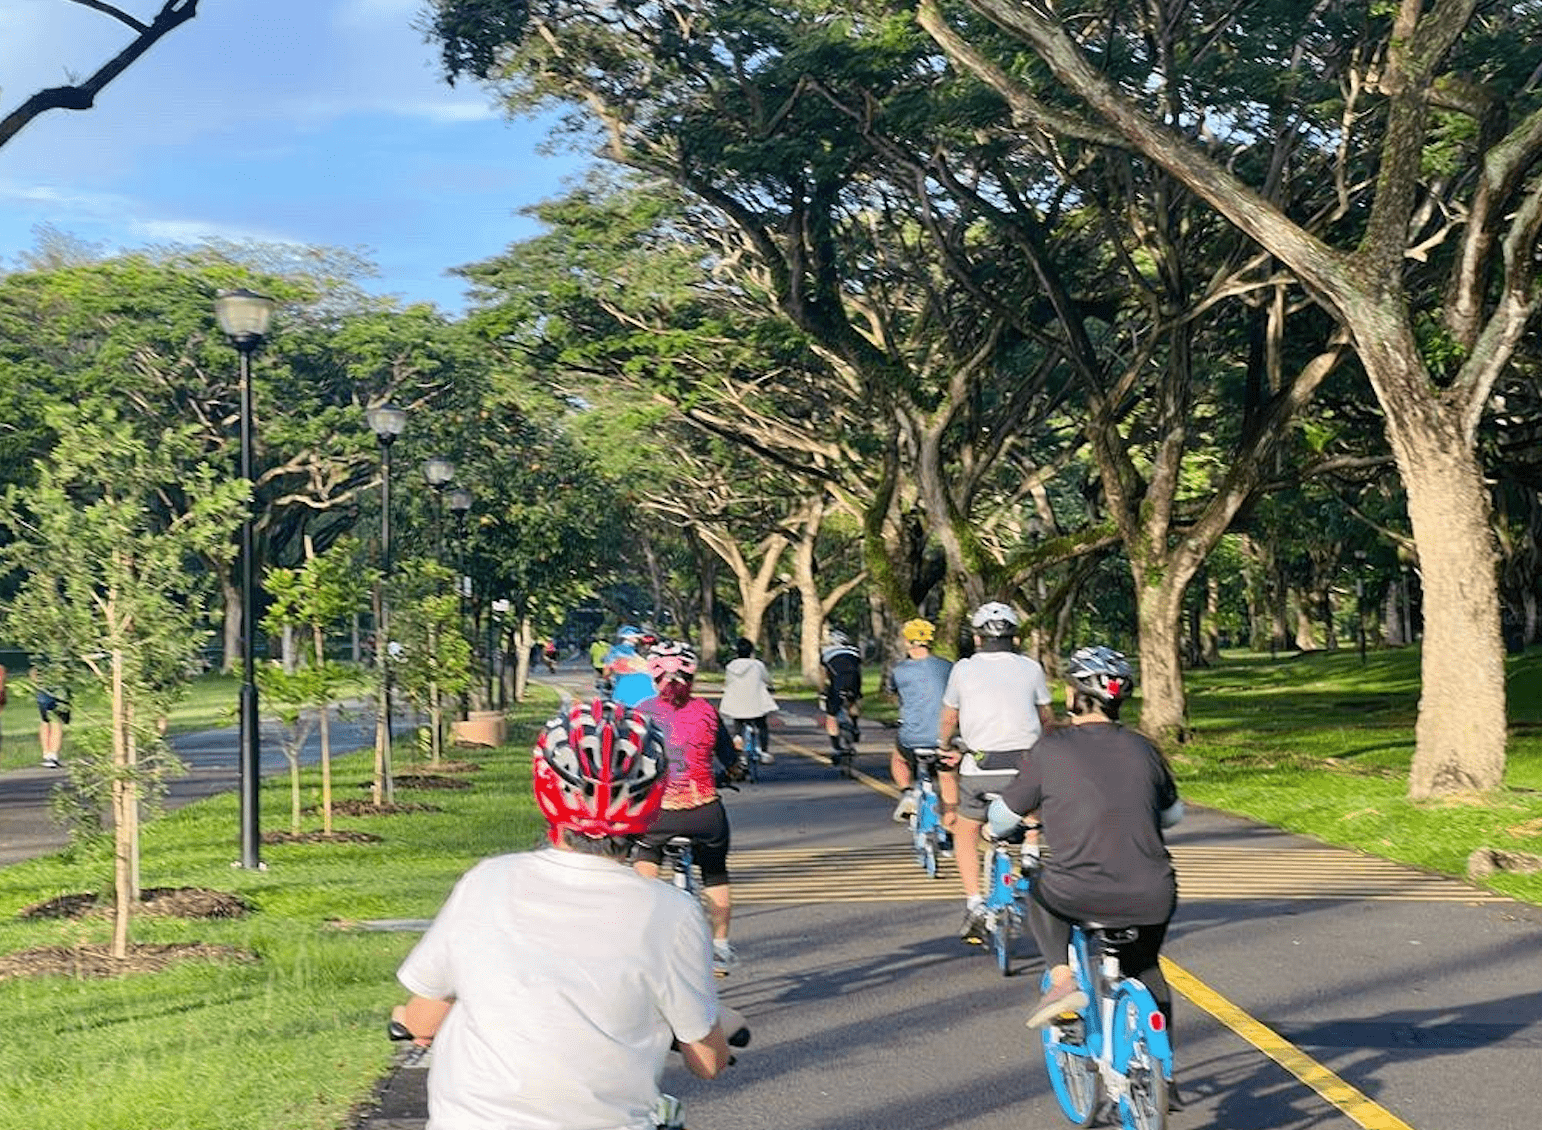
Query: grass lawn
point(1320, 744)
point(293, 1039)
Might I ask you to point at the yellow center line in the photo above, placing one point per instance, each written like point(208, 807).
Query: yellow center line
point(1347, 1098)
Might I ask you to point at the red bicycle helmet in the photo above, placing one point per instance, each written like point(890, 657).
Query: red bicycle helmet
point(671, 657)
point(599, 770)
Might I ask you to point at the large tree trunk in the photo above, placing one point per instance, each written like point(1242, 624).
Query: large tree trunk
point(1461, 727)
point(232, 598)
point(1164, 707)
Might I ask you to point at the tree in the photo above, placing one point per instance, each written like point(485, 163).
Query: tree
point(318, 596)
point(103, 539)
point(82, 95)
point(1424, 253)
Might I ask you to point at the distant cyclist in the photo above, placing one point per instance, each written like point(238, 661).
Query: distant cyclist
point(553, 981)
point(626, 666)
point(840, 678)
point(747, 695)
point(998, 702)
point(917, 681)
point(696, 745)
point(1103, 794)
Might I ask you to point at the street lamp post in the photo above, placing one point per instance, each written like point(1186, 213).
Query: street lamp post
point(387, 421)
point(438, 472)
point(1360, 598)
point(244, 318)
point(460, 506)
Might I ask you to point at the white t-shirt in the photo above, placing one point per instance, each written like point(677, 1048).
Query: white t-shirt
point(997, 695)
point(569, 973)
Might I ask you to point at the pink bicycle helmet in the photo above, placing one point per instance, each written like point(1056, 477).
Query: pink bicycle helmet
point(671, 657)
point(599, 770)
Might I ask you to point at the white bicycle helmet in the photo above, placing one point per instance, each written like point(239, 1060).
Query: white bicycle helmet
point(994, 620)
point(834, 637)
point(1101, 672)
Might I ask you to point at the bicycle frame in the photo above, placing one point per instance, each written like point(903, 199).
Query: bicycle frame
point(926, 829)
point(846, 729)
point(1003, 885)
point(749, 738)
point(682, 862)
point(1115, 1052)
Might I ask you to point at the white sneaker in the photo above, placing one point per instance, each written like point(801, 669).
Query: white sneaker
point(52, 763)
point(906, 808)
point(723, 957)
point(766, 758)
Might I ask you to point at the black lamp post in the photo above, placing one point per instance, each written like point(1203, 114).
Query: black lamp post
point(460, 506)
point(244, 318)
point(387, 421)
point(1360, 598)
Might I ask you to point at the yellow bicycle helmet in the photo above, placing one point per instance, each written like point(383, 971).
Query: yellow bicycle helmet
point(919, 632)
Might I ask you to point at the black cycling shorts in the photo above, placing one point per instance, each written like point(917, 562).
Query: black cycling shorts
point(706, 825)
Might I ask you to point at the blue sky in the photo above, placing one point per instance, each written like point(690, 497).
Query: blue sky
point(318, 122)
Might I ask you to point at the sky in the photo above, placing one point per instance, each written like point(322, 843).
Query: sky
point(318, 122)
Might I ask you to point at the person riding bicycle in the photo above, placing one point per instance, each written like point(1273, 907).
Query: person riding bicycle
point(998, 703)
point(917, 681)
point(747, 697)
point(1103, 794)
point(840, 681)
point(553, 982)
point(627, 667)
point(694, 737)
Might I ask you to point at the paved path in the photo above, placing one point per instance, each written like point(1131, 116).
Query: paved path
point(212, 759)
point(1320, 988)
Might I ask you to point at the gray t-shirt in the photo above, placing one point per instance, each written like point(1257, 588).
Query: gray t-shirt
point(1099, 790)
point(919, 684)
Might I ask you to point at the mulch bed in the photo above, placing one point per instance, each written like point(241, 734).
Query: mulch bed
point(442, 767)
point(368, 808)
point(97, 960)
point(429, 781)
point(320, 838)
point(161, 902)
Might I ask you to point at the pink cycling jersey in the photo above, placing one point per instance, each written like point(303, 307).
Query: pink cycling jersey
point(690, 736)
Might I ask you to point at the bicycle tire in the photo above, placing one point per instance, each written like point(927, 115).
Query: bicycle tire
point(1144, 1103)
point(926, 853)
point(1143, 1055)
point(751, 750)
point(1001, 941)
point(1073, 1074)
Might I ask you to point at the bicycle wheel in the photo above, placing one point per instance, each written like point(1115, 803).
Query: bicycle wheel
point(1001, 940)
point(751, 751)
point(926, 853)
point(1073, 1074)
point(1144, 1104)
point(1143, 1055)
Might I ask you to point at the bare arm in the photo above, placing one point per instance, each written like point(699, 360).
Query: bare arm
point(947, 726)
point(1046, 718)
point(422, 1016)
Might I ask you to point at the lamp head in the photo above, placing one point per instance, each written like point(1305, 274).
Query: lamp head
point(243, 315)
point(438, 471)
point(387, 421)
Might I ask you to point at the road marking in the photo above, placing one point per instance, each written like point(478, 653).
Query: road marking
point(1334, 1090)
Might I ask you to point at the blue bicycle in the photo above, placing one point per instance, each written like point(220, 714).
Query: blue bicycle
point(1006, 883)
point(749, 748)
point(1115, 1052)
point(927, 834)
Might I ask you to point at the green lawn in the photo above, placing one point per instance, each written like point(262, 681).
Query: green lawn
point(1320, 744)
point(293, 1039)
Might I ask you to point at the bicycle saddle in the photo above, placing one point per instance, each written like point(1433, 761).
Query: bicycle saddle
point(1111, 935)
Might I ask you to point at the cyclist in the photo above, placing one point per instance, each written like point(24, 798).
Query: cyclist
point(627, 667)
point(747, 697)
point(598, 650)
point(917, 681)
point(553, 981)
point(694, 737)
point(840, 682)
point(1104, 794)
point(997, 702)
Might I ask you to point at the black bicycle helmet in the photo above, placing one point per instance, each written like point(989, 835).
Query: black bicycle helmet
point(1101, 672)
point(994, 620)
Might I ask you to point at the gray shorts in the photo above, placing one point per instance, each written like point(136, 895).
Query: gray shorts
point(972, 790)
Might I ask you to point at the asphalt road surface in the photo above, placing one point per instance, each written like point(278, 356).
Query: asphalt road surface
point(1318, 988)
